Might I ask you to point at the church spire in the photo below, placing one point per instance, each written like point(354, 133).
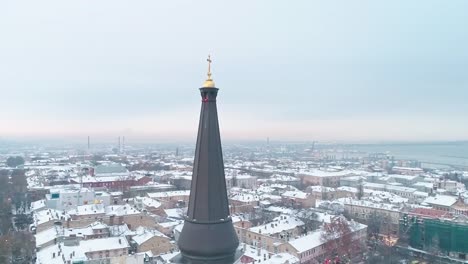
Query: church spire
point(208, 233)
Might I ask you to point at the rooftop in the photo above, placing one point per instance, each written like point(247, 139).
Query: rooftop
point(110, 169)
point(278, 225)
point(144, 235)
point(295, 194)
point(441, 200)
point(168, 194)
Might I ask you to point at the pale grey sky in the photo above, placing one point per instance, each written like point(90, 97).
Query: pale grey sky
point(290, 70)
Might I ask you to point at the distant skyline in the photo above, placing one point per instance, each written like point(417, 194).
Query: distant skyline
point(344, 71)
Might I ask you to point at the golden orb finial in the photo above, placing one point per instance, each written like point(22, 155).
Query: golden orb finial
point(209, 83)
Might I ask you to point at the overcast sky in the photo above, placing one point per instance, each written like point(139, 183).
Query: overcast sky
point(288, 70)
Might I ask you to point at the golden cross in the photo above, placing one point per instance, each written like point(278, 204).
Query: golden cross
point(209, 65)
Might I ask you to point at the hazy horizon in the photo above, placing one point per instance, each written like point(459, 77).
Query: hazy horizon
point(323, 71)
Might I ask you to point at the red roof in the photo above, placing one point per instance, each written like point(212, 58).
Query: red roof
point(429, 212)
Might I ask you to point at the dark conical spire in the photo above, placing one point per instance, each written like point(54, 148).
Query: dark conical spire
point(208, 232)
point(208, 200)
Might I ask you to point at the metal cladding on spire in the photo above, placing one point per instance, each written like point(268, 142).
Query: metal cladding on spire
point(208, 233)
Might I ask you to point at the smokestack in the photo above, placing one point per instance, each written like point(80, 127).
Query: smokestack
point(123, 144)
point(119, 147)
point(88, 143)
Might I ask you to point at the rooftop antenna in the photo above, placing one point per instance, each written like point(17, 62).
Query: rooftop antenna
point(123, 144)
point(268, 146)
point(79, 189)
point(118, 146)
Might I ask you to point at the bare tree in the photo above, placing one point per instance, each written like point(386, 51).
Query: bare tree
point(374, 224)
point(338, 239)
point(310, 219)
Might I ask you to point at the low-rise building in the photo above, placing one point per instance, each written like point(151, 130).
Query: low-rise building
point(152, 240)
point(244, 181)
point(441, 202)
point(268, 236)
point(406, 192)
point(66, 198)
point(146, 204)
point(406, 180)
point(298, 198)
point(312, 248)
point(362, 211)
point(329, 178)
point(102, 249)
point(171, 199)
point(407, 170)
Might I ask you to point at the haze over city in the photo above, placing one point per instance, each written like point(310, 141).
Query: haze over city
point(323, 70)
point(244, 132)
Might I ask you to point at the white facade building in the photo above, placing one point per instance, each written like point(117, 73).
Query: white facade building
point(70, 198)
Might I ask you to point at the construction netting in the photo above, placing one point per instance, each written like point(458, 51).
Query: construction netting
point(434, 234)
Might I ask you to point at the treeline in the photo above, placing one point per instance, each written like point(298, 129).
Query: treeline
point(15, 161)
point(16, 243)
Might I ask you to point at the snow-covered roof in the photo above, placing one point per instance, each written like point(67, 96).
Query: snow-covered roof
point(421, 194)
point(101, 244)
point(389, 187)
point(278, 225)
point(148, 202)
point(38, 205)
point(314, 239)
point(168, 194)
point(441, 200)
point(408, 169)
point(169, 224)
point(91, 179)
point(348, 189)
point(44, 216)
point(176, 213)
point(370, 204)
point(67, 253)
point(47, 235)
point(281, 258)
point(244, 197)
point(166, 258)
point(259, 254)
point(331, 173)
point(241, 177)
point(144, 235)
point(424, 184)
point(319, 188)
point(304, 243)
point(112, 168)
point(121, 230)
point(78, 253)
point(88, 209)
point(403, 177)
point(295, 194)
point(282, 210)
point(119, 210)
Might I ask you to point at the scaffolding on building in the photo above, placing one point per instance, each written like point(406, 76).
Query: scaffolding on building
point(446, 236)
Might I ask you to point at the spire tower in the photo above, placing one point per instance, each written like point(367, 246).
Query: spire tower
point(208, 233)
